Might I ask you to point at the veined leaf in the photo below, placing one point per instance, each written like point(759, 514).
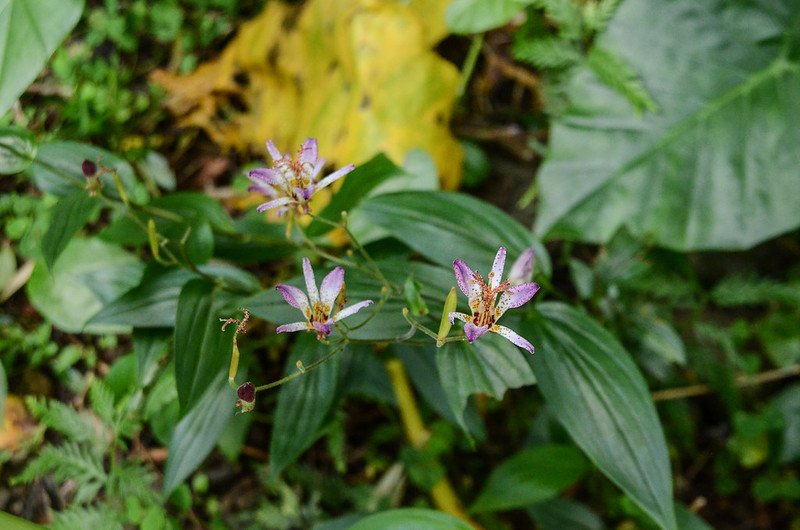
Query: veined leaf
point(712, 169)
point(17, 149)
point(30, 31)
point(410, 518)
point(598, 394)
point(70, 214)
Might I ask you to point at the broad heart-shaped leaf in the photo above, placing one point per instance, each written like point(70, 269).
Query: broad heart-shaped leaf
point(303, 403)
point(411, 519)
point(17, 149)
point(197, 432)
point(443, 226)
point(89, 274)
point(598, 394)
point(530, 476)
point(490, 366)
point(30, 30)
point(70, 214)
point(202, 350)
point(714, 168)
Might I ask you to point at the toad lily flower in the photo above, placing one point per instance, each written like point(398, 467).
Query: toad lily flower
point(319, 306)
point(291, 182)
point(482, 298)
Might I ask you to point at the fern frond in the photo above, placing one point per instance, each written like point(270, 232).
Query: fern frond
point(565, 14)
point(74, 425)
point(69, 461)
point(615, 73)
point(546, 52)
point(132, 479)
point(597, 14)
point(102, 401)
point(91, 518)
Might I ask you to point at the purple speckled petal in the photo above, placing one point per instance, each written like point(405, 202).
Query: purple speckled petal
point(294, 297)
point(515, 297)
point(461, 316)
point(522, 269)
point(497, 268)
point(308, 153)
point(351, 310)
point(294, 326)
point(273, 151)
point(316, 169)
point(512, 336)
point(263, 175)
point(273, 204)
point(336, 175)
point(474, 332)
point(266, 189)
point(463, 275)
point(322, 327)
point(331, 287)
point(311, 282)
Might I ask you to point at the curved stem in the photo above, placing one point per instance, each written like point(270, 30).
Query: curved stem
point(305, 370)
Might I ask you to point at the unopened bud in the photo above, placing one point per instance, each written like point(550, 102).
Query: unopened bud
point(247, 397)
point(89, 168)
point(300, 367)
point(450, 304)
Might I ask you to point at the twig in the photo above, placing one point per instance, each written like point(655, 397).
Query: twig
point(741, 381)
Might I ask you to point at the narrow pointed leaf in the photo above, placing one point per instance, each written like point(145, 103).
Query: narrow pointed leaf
point(70, 214)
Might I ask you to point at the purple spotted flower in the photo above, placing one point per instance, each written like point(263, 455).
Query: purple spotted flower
point(318, 307)
point(486, 307)
point(291, 182)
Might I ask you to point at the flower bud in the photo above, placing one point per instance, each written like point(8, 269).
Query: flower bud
point(89, 168)
point(247, 397)
point(449, 306)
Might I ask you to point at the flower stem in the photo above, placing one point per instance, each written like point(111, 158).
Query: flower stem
point(304, 371)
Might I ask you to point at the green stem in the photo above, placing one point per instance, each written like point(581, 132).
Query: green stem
point(307, 369)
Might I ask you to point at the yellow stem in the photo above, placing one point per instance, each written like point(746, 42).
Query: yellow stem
point(444, 497)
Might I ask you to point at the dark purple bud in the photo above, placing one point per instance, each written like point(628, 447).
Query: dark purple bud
point(247, 392)
point(89, 168)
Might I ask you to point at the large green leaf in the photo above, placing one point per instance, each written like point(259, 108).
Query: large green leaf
point(714, 168)
point(443, 226)
point(30, 30)
point(477, 16)
point(201, 348)
point(530, 476)
point(490, 366)
point(89, 274)
point(70, 214)
point(410, 519)
point(17, 149)
point(303, 403)
point(598, 394)
point(11, 522)
point(195, 435)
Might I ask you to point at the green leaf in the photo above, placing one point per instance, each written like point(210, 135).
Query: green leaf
point(200, 345)
point(155, 167)
point(531, 476)
point(70, 214)
point(546, 52)
point(659, 338)
point(89, 274)
point(57, 170)
point(30, 31)
point(410, 519)
point(603, 402)
point(149, 345)
point(711, 170)
point(476, 16)
point(491, 365)
point(11, 522)
point(560, 514)
point(17, 149)
point(195, 435)
point(787, 403)
point(688, 520)
point(443, 226)
point(303, 403)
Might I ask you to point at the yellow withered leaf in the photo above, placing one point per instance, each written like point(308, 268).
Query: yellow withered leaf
point(361, 76)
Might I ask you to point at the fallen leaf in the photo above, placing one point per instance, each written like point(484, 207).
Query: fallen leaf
point(18, 424)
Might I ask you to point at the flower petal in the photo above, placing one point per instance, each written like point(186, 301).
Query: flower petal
point(331, 287)
point(461, 316)
point(294, 297)
point(339, 173)
point(316, 169)
point(474, 332)
point(322, 327)
point(351, 310)
point(263, 175)
point(266, 189)
point(515, 297)
point(311, 282)
point(294, 326)
point(512, 336)
point(466, 281)
point(497, 268)
point(273, 204)
point(273, 151)
point(522, 269)
point(309, 152)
